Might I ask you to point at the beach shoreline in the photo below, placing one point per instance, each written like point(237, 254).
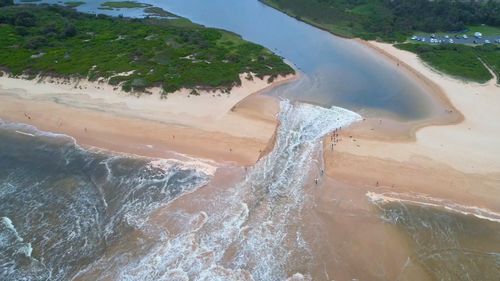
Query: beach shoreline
point(452, 159)
point(210, 126)
point(96, 115)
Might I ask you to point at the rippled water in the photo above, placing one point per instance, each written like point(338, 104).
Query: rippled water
point(63, 206)
point(447, 244)
point(87, 215)
point(250, 231)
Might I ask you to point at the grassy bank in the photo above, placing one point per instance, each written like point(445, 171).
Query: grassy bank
point(464, 62)
point(169, 53)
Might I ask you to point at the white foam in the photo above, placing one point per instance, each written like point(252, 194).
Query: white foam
point(191, 164)
point(424, 200)
point(24, 133)
point(299, 277)
point(25, 249)
point(10, 226)
point(32, 131)
point(253, 220)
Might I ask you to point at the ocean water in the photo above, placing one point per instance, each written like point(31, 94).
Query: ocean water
point(449, 241)
point(62, 206)
point(69, 213)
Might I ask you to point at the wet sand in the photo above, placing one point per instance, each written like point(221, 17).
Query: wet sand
point(451, 162)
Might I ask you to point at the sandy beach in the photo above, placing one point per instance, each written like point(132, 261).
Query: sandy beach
point(449, 160)
point(456, 161)
point(95, 114)
point(456, 150)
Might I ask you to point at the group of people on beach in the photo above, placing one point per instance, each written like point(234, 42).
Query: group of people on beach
point(334, 138)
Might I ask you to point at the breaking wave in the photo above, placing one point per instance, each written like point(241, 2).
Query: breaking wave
point(64, 206)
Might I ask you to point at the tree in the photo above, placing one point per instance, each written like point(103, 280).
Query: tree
point(4, 3)
point(35, 42)
point(25, 19)
point(69, 31)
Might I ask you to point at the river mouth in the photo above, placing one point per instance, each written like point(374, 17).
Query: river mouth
point(93, 216)
point(175, 241)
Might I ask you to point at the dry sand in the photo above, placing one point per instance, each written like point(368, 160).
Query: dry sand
point(222, 127)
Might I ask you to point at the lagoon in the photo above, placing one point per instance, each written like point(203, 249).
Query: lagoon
point(335, 71)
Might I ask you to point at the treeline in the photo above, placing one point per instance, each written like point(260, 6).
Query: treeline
point(391, 19)
point(442, 15)
point(169, 53)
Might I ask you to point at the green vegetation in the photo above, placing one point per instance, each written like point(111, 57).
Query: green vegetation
point(461, 61)
point(29, 1)
point(4, 3)
point(73, 4)
point(390, 20)
point(486, 30)
point(169, 53)
point(157, 12)
point(123, 4)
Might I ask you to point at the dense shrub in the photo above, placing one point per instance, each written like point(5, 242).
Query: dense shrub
point(170, 53)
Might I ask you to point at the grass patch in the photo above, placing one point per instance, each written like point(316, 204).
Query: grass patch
point(459, 60)
point(490, 55)
point(169, 53)
point(123, 4)
point(486, 30)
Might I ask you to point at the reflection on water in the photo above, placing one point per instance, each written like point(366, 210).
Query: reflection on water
point(447, 244)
